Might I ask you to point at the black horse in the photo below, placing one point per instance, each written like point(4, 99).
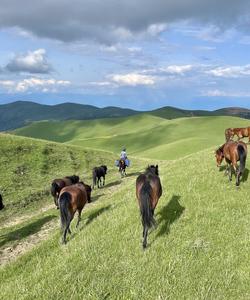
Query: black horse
point(99, 172)
point(60, 183)
point(1, 202)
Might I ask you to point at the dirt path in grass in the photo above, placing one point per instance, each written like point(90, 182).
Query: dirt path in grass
point(16, 248)
point(10, 253)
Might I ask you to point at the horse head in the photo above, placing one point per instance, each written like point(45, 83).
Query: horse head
point(219, 155)
point(153, 169)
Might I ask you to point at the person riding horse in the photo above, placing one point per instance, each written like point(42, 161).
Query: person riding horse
point(123, 155)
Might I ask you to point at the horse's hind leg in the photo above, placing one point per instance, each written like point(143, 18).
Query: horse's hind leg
point(103, 181)
point(145, 233)
point(79, 218)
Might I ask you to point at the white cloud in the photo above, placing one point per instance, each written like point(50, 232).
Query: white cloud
point(132, 79)
point(31, 62)
point(230, 71)
point(220, 93)
point(33, 84)
point(177, 69)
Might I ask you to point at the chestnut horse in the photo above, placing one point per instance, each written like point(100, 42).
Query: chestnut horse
point(240, 132)
point(58, 184)
point(72, 198)
point(148, 192)
point(232, 152)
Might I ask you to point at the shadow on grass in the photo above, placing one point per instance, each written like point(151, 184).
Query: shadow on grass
point(95, 198)
point(222, 168)
point(245, 175)
point(25, 231)
point(133, 174)
point(114, 183)
point(169, 214)
point(96, 213)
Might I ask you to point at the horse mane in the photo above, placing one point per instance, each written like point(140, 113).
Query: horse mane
point(73, 178)
point(220, 149)
point(152, 169)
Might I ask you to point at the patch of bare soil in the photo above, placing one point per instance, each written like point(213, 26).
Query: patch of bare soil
point(10, 253)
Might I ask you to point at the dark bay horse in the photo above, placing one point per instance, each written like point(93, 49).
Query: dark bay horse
point(98, 173)
point(58, 184)
point(72, 198)
point(1, 202)
point(122, 167)
point(240, 132)
point(148, 192)
point(232, 152)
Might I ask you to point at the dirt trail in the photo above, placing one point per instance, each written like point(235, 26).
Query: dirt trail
point(10, 253)
point(18, 220)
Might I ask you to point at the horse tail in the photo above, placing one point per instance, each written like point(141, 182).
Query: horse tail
point(242, 156)
point(64, 202)
point(146, 206)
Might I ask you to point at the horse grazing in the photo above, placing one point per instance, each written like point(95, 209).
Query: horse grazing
point(72, 198)
point(240, 132)
point(148, 192)
point(122, 167)
point(232, 152)
point(1, 202)
point(98, 173)
point(58, 184)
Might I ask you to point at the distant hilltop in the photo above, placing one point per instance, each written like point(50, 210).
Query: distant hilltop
point(20, 113)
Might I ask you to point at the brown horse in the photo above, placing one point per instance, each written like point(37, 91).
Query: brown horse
point(122, 167)
point(232, 152)
point(148, 192)
point(240, 132)
point(72, 198)
point(58, 184)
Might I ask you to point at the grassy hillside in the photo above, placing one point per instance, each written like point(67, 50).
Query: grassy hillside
point(200, 249)
point(143, 135)
point(28, 166)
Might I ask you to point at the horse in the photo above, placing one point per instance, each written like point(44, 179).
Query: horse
point(229, 134)
point(1, 202)
point(71, 199)
point(232, 152)
point(58, 184)
point(97, 173)
point(240, 132)
point(122, 167)
point(148, 192)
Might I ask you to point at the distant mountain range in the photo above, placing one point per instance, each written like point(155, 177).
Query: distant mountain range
point(20, 113)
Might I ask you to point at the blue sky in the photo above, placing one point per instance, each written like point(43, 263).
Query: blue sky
point(141, 55)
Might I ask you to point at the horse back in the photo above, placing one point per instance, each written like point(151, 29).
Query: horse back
point(156, 188)
point(78, 196)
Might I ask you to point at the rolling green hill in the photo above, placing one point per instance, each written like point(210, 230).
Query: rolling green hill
point(143, 135)
point(20, 113)
point(200, 249)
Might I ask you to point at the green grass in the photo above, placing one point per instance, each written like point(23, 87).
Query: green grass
point(144, 135)
point(199, 250)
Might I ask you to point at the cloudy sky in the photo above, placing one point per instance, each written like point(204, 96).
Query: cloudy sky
point(140, 54)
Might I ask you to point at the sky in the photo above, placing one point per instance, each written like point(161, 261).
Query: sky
point(142, 54)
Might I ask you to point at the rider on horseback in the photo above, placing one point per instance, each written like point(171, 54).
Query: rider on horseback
point(123, 155)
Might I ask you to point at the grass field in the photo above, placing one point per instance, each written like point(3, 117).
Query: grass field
point(200, 249)
point(144, 135)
